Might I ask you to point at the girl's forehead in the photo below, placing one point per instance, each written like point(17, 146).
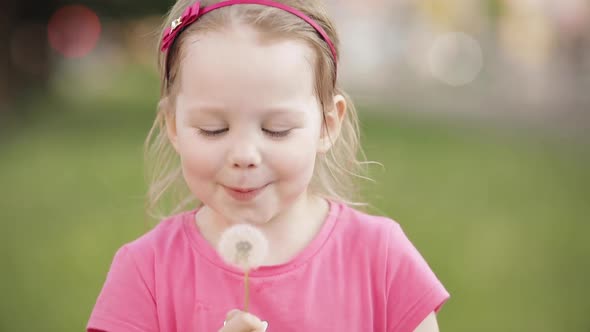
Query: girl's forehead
point(237, 65)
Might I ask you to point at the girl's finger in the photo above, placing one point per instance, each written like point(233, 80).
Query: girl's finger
point(231, 314)
point(243, 322)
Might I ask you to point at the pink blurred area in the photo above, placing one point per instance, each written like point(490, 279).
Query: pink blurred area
point(74, 31)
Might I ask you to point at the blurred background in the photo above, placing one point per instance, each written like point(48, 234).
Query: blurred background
point(479, 111)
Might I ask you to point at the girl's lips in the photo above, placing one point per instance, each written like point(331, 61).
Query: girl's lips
point(244, 194)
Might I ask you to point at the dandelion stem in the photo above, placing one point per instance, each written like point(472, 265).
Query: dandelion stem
point(246, 291)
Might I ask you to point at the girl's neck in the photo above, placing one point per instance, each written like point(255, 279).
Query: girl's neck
point(287, 234)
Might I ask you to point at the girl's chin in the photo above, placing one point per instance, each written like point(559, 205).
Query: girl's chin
point(254, 220)
point(248, 216)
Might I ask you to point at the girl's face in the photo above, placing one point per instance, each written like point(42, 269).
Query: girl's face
point(247, 126)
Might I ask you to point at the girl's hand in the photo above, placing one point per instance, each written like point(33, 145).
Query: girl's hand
point(239, 321)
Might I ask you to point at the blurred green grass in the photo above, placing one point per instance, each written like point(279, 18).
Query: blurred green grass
point(500, 214)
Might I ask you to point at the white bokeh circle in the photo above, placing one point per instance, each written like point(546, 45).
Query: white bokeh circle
point(455, 58)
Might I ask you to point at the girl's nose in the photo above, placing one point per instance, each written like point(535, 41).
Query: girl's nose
point(245, 155)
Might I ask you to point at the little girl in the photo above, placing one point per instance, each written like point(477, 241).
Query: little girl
point(251, 107)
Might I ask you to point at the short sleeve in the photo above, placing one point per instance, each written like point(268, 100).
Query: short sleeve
point(414, 291)
point(126, 302)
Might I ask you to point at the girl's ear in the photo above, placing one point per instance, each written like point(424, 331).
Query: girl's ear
point(169, 114)
point(332, 125)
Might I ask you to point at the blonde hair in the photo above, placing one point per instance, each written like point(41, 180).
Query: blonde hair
point(336, 172)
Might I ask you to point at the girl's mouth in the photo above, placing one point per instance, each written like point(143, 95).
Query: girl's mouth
point(244, 194)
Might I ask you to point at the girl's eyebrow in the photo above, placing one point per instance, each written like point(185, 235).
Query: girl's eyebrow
point(206, 109)
point(293, 113)
point(272, 112)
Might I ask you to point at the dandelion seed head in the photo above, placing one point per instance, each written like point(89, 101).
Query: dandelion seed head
point(243, 246)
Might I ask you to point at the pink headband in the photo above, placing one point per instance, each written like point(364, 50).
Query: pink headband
point(192, 13)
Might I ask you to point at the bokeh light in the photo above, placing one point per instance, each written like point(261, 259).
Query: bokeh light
point(455, 58)
point(74, 31)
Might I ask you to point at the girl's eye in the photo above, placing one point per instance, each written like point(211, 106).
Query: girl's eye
point(218, 132)
point(277, 134)
point(211, 133)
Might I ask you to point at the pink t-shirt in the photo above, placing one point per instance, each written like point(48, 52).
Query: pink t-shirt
point(360, 273)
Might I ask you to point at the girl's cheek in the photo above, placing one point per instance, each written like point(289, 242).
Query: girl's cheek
point(293, 158)
point(201, 155)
